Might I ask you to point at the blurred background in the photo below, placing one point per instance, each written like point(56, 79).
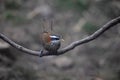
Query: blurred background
point(22, 21)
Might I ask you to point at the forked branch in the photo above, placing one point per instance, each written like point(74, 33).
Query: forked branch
point(69, 47)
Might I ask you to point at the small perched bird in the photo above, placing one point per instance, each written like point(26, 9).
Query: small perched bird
point(50, 42)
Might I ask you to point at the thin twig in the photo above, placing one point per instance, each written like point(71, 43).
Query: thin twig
point(17, 46)
point(69, 47)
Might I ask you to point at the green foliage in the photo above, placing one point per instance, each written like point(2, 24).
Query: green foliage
point(78, 5)
point(12, 4)
point(112, 6)
point(10, 16)
point(90, 28)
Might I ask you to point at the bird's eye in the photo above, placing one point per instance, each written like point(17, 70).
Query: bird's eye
point(56, 38)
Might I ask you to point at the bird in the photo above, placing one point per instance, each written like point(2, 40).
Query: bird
point(51, 42)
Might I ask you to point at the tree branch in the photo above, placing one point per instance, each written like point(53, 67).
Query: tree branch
point(69, 47)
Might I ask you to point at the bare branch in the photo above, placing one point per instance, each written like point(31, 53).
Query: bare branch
point(69, 47)
point(21, 48)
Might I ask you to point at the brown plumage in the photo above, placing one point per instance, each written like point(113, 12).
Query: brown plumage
point(50, 42)
point(46, 37)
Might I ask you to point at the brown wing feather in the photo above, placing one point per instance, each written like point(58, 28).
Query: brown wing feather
point(46, 37)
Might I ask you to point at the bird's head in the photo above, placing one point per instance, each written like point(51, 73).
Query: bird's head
point(51, 42)
point(47, 37)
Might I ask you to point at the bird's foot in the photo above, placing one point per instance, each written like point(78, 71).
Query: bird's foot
point(41, 53)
